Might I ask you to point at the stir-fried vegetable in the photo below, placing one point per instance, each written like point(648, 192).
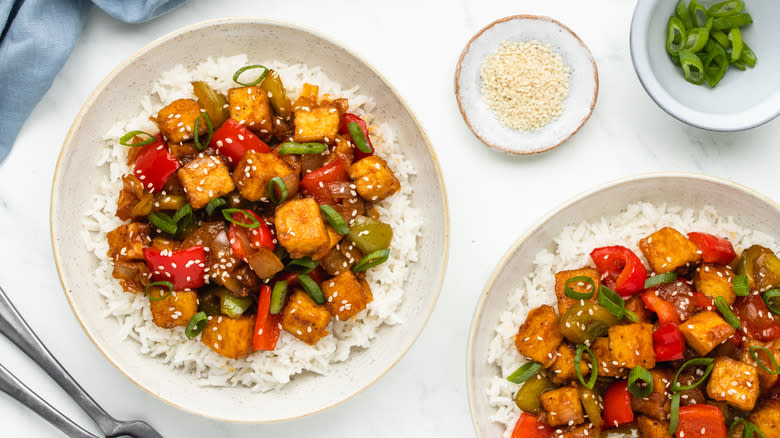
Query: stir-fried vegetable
point(370, 235)
point(586, 321)
point(527, 397)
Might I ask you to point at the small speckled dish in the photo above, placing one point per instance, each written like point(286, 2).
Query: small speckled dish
point(578, 106)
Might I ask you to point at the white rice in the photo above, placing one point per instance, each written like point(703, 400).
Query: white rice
point(261, 371)
point(572, 248)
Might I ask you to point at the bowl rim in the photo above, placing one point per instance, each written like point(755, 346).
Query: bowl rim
point(463, 111)
point(67, 146)
point(502, 263)
point(644, 72)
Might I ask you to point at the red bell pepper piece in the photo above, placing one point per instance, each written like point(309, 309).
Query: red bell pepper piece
point(713, 249)
point(668, 343)
point(350, 118)
point(185, 268)
point(154, 165)
point(528, 427)
point(267, 326)
point(665, 310)
point(757, 321)
point(701, 420)
point(244, 241)
point(617, 405)
point(233, 139)
point(315, 183)
point(623, 268)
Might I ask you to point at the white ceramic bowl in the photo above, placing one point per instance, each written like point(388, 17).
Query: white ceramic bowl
point(748, 208)
point(583, 84)
point(742, 99)
point(118, 97)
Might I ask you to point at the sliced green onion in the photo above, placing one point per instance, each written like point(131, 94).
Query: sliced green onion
point(684, 14)
point(302, 265)
point(637, 375)
point(655, 280)
point(205, 116)
point(771, 299)
point(360, 140)
point(278, 294)
point(241, 70)
point(739, 64)
point(676, 36)
point(274, 183)
point(699, 15)
point(375, 258)
point(674, 416)
point(748, 55)
point(611, 301)
point(233, 306)
point(631, 316)
point(183, 217)
point(334, 219)
point(753, 353)
point(697, 38)
point(125, 139)
point(525, 372)
point(228, 215)
point(163, 222)
point(699, 361)
point(739, 20)
point(312, 288)
point(724, 9)
point(720, 37)
point(741, 286)
point(594, 366)
point(692, 66)
point(715, 63)
point(728, 315)
point(196, 325)
point(735, 38)
point(215, 204)
point(168, 285)
point(291, 147)
point(751, 431)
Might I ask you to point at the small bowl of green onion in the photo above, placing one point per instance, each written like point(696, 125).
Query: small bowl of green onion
point(712, 64)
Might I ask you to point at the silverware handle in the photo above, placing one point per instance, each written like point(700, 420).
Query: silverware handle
point(16, 389)
point(14, 327)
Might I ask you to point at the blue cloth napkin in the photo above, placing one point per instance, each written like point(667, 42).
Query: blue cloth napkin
point(37, 38)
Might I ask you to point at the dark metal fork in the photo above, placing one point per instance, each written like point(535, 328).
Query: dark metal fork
point(14, 327)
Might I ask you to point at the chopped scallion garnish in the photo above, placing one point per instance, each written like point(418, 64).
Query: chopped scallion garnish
point(277, 183)
point(303, 265)
point(660, 279)
point(635, 378)
point(375, 258)
point(196, 325)
point(594, 366)
point(525, 372)
point(312, 288)
point(228, 215)
point(214, 205)
point(772, 300)
point(754, 354)
point(579, 280)
point(125, 139)
point(278, 295)
point(728, 315)
point(358, 137)
point(257, 81)
point(335, 219)
point(674, 416)
point(301, 148)
point(167, 284)
point(611, 301)
point(163, 222)
point(699, 361)
point(205, 116)
point(741, 286)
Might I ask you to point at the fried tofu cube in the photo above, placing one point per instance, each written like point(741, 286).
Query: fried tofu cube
point(300, 228)
point(183, 152)
point(767, 417)
point(126, 242)
point(374, 180)
point(562, 370)
point(539, 336)
point(715, 281)
point(563, 406)
point(667, 249)
point(581, 431)
point(734, 382)
point(651, 428)
point(304, 319)
point(255, 170)
point(175, 310)
point(229, 337)
point(316, 124)
point(344, 149)
point(251, 107)
point(205, 178)
point(333, 239)
point(636, 305)
point(767, 380)
point(177, 120)
point(562, 277)
point(657, 405)
point(631, 345)
point(608, 366)
point(705, 331)
point(344, 296)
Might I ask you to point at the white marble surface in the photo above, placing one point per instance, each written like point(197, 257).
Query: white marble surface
point(493, 197)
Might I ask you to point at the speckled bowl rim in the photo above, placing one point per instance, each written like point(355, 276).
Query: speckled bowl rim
point(546, 147)
point(258, 21)
point(478, 310)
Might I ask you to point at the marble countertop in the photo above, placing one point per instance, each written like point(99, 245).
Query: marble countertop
point(493, 197)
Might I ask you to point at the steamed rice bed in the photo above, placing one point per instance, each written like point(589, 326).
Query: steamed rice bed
point(262, 371)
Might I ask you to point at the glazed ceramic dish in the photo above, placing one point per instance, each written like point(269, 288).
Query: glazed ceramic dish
point(748, 208)
point(118, 98)
point(742, 99)
point(578, 106)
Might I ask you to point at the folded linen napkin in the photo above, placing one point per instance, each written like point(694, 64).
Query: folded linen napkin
point(37, 38)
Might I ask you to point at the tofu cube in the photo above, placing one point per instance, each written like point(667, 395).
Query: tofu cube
point(651, 428)
point(705, 331)
point(333, 239)
point(539, 336)
point(561, 277)
point(304, 319)
point(563, 406)
point(205, 178)
point(183, 152)
point(657, 405)
point(562, 370)
point(715, 281)
point(254, 171)
point(631, 345)
point(177, 120)
point(608, 366)
point(734, 382)
point(344, 296)
point(667, 249)
point(175, 310)
point(767, 380)
point(767, 417)
point(373, 179)
point(581, 431)
point(251, 107)
point(343, 148)
point(300, 228)
point(126, 242)
point(636, 305)
point(320, 124)
point(229, 337)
